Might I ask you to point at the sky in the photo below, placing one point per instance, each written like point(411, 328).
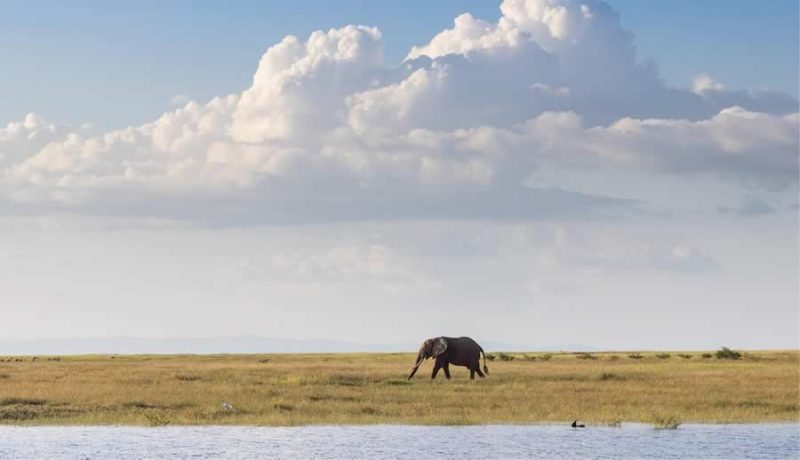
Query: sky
point(617, 174)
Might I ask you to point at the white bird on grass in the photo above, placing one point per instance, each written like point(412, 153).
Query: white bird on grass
point(226, 405)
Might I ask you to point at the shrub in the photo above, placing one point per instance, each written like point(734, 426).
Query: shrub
point(490, 356)
point(528, 357)
point(586, 356)
point(613, 358)
point(662, 355)
point(635, 356)
point(707, 356)
point(685, 355)
point(504, 357)
point(546, 357)
point(187, 377)
point(727, 353)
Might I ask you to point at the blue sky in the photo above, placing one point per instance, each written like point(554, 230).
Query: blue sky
point(116, 64)
point(622, 175)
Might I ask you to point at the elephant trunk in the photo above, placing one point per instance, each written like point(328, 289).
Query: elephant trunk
point(420, 358)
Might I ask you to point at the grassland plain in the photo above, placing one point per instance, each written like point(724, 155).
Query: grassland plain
point(301, 389)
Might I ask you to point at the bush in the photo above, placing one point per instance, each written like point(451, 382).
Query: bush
point(685, 355)
point(635, 356)
point(546, 357)
point(504, 357)
point(662, 355)
point(528, 357)
point(707, 356)
point(727, 353)
point(586, 356)
point(490, 356)
point(613, 358)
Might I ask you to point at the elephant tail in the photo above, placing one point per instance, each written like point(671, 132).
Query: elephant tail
point(485, 369)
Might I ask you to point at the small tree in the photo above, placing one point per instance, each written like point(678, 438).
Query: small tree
point(727, 353)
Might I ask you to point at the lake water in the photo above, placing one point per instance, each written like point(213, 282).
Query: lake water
point(406, 442)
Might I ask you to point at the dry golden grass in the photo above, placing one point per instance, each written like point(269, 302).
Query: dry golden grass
point(290, 389)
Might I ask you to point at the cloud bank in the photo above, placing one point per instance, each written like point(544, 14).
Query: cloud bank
point(328, 131)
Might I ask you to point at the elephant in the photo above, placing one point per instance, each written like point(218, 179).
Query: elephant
point(461, 351)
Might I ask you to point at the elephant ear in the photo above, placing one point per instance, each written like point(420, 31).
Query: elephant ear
point(439, 346)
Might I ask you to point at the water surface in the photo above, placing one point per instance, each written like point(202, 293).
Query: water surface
point(399, 441)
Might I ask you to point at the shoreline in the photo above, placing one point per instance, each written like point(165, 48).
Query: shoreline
point(564, 424)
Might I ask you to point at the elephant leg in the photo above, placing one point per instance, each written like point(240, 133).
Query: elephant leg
point(446, 368)
point(472, 374)
point(435, 371)
point(478, 370)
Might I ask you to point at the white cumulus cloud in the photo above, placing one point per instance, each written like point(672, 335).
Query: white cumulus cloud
point(328, 131)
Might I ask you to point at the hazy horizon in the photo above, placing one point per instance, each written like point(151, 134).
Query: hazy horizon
point(269, 345)
point(535, 172)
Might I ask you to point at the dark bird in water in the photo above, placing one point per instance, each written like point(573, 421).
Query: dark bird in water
point(575, 424)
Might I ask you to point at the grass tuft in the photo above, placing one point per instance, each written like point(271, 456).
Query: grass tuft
point(610, 376)
point(22, 401)
point(156, 418)
point(665, 422)
point(348, 380)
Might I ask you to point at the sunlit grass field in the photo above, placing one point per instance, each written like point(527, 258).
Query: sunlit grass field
point(300, 389)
